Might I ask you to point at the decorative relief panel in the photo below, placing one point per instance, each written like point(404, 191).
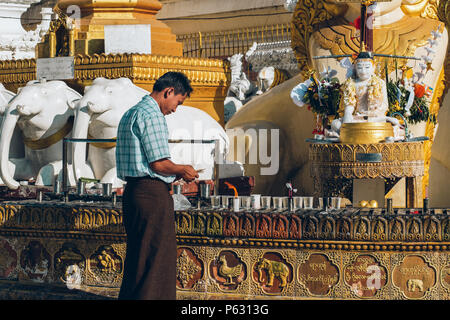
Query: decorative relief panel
point(273, 273)
point(414, 276)
point(228, 270)
point(35, 262)
point(105, 266)
point(190, 269)
point(69, 265)
point(365, 276)
point(231, 224)
point(318, 274)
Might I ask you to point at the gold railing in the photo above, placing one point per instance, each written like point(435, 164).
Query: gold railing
point(222, 44)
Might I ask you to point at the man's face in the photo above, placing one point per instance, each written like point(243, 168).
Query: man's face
point(364, 69)
point(171, 101)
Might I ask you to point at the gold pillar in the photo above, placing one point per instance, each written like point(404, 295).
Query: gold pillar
point(52, 45)
point(71, 42)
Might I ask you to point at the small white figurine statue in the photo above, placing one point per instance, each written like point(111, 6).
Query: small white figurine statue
point(364, 97)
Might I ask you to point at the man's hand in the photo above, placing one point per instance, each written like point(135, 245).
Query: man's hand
point(188, 173)
point(167, 167)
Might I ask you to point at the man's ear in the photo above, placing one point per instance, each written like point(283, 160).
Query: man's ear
point(168, 91)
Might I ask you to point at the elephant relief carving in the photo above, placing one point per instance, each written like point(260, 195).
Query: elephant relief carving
point(413, 284)
point(274, 269)
point(43, 112)
point(98, 114)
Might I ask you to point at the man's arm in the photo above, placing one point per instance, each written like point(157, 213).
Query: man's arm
point(167, 167)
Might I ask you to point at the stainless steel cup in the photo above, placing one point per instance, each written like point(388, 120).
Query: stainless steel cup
point(266, 202)
point(107, 189)
point(308, 202)
point(57, 187)
point(205, 190)
point(81, 187)
point(176, 188)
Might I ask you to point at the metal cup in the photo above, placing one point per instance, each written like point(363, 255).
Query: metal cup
point(280, 203)
point(266, 202)
point(176, 188)
point(81, 187)
point(215, 201)
point(323, 203)
point(298, 202)
point(107, 188)
point(114, 199)
point(225, 201)
point(39, 195)
point(335, 202)
point(57, 187)
point(245, 202)
point(256, 201)
point(205, 190)
point(308, 202)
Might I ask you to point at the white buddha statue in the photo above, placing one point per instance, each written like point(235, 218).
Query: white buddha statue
point(364, 96)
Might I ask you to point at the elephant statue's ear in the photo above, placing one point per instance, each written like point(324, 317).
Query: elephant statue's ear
point(32, 82)
point(72, 97)
point(72, 103)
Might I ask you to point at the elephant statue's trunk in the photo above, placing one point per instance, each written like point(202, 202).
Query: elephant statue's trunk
point(80, 131)
point(6, 133)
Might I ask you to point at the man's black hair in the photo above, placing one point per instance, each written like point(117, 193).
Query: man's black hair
point(177, 80)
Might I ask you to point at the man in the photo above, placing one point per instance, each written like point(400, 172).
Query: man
point(143, 160)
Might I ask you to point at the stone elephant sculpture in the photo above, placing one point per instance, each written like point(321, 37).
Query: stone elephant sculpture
point(269, 77)
point(98, 113)
point(43, 113)
point(274, 269)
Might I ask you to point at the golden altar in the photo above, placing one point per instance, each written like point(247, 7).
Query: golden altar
point(344, 254)
point(335, 165)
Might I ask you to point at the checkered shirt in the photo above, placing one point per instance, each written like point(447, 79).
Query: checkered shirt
point(142, 138)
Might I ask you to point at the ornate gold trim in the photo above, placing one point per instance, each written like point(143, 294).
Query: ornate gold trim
point(307, 14)
point(52, 139)
point(102, 145)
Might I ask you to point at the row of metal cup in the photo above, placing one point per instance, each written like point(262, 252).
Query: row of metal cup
point(257, 202)
point(81, 188)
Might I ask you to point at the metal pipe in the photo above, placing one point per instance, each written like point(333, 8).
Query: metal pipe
point(216, 167)
point(64, 165)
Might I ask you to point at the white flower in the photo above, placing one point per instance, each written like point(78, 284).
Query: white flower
point(299, 91)
point(328, 73)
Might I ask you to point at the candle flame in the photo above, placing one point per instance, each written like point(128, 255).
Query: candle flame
point(230, 186)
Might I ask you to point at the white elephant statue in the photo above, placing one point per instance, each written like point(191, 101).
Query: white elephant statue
point(98, 114)
point(43, 113)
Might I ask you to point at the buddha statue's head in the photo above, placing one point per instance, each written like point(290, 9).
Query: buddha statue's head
point(364, 66)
